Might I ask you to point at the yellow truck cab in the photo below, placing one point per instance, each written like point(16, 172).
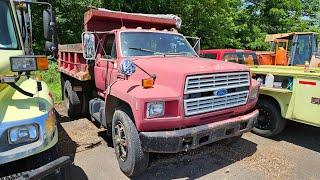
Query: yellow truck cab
point(27, 118)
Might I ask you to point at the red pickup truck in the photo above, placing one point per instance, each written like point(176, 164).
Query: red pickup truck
point(142, 80)
point(247, 57)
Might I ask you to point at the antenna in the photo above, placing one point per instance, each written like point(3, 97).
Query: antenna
point(121, 21)
point(121, 15)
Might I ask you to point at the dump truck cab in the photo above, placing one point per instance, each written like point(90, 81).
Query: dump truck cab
point(289, 49)
point(141, 79)
point(28, 124)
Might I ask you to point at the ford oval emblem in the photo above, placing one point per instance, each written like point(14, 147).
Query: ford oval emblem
point(220, 92)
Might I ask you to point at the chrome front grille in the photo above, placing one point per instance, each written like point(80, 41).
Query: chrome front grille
point(204, 83)
point(236, 86)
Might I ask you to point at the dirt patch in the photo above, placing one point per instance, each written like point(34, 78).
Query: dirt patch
point(76, 135)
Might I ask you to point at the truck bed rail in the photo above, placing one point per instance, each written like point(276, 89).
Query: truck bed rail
point(72, 63)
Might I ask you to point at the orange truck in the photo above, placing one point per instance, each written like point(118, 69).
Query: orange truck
point(290, 49)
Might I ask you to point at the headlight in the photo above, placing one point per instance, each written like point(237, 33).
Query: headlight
point(28, 63)
point(22, 134)
point(254, 92)
point(155, 109)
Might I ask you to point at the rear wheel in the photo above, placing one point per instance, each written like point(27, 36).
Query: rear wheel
point(270, 121)
point(71, 100)
point(131, 158)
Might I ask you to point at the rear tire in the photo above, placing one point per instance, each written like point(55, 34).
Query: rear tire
point(71, 100)
point(131, 158)
point(270, 121)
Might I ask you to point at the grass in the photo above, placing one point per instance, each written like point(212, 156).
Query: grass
point(52, 78)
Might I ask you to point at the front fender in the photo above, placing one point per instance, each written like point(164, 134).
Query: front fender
point(136, 96)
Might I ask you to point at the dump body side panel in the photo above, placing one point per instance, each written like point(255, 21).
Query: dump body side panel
point(72, 63)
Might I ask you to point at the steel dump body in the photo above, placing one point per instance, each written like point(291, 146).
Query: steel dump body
point(71, 62)
point(106, 20)
point(173, 84)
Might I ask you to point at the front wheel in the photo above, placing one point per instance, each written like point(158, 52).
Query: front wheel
point(131, 158)
point(270, 121)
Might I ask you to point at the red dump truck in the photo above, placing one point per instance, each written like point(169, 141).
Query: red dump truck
point(142, 80)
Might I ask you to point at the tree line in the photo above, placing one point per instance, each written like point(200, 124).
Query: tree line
point(220, 23)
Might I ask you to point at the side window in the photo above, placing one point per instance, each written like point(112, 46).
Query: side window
point(231, 57)
point(109, 48)
point(249, 59)
point(210, 56)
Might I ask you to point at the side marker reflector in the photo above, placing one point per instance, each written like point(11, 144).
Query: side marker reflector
point(308, 83)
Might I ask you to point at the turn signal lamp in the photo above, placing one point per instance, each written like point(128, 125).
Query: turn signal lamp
point(148, 83)
point(29, 63)
point(42, 63)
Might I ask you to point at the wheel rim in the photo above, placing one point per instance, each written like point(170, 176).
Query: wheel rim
point(265, 120)
point(120, 140)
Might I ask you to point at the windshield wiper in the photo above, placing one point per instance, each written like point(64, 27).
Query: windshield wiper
point(147, 50)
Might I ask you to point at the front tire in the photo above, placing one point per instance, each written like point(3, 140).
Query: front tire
point(131, 158)
point(270, 121)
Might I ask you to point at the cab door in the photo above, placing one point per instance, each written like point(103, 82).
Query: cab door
point(105, 63)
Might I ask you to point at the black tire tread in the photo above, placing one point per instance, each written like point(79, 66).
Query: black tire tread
point(74, 101)
point(139, 159)
point(276, 113)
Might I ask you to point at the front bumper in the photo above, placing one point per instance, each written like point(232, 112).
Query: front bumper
point(191, 138)
point(9, 153)
point(57, 169)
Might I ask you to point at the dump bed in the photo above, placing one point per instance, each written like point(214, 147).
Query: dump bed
point(106, 20)
point(71, 61)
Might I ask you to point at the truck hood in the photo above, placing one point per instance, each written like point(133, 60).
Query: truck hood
point(171, 71)
point(15, 106)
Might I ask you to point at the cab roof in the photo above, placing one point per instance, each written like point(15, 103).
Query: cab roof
point(273, 37)
point(224, 50)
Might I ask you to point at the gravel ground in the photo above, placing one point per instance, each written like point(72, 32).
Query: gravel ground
point(294, 154)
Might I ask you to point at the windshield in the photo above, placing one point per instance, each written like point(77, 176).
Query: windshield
point(8, 39)
point(153, 43)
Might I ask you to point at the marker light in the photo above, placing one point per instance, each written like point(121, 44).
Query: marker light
point(148, 83)
point(254, 93)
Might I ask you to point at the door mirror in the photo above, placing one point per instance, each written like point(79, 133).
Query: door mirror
point(127, 67)
point(88, 44)
point(48, 24)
